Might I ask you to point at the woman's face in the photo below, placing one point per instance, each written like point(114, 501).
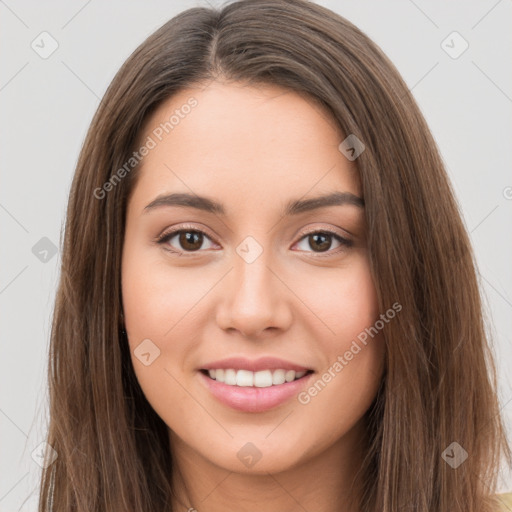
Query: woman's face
point(240, 272)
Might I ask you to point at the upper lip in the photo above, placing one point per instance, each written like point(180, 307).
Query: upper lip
point(263, 363)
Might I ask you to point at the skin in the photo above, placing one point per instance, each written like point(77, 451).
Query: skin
point(252, 149)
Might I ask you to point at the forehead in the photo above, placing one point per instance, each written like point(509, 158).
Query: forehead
point(240, 142)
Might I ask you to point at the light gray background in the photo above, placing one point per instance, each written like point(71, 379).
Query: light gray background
point(47, 105)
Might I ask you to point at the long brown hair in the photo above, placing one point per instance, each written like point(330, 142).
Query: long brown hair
point(439, 385)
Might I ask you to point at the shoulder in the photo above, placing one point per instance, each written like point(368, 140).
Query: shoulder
point(505, 501)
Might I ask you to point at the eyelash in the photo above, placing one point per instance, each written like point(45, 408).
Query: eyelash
point(166, 236)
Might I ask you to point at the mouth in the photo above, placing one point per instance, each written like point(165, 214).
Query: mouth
point(254, 392)
point(260, 379)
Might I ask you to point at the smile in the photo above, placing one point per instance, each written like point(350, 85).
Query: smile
point(254, 392)
point(260, 379)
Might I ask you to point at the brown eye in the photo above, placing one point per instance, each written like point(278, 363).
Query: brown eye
point(321, 242)
point(188, 240)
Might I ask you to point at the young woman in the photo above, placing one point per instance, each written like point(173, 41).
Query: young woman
point(268, 300)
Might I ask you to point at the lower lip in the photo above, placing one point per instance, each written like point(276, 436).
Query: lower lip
point(252, 399)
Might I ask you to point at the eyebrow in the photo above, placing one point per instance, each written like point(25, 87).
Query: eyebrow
point(293, 207)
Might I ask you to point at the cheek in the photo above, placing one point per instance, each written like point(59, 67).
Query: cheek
point(345, 301)
point(353, 350)
point(157, 304)
point(157, 296)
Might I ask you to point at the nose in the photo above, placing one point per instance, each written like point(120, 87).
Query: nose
point(255, 299)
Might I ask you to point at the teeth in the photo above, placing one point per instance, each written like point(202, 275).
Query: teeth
point(261, 379)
